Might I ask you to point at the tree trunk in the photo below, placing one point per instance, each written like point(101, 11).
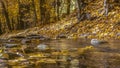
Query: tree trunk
point(106, 7)
point(42, 11)
point(12, 25)
point(24, 15)
point(0, 27)
point(68, 6)
point(78, 9)
point(18, 23)
point(35, 14)
point(6, 15)
point(57, 9)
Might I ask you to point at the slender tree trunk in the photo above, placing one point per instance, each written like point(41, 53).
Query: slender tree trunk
point(78, 9)
point(42, 10)
point(57, 9)
point(12, 25)
point(0, 27)
point(6, 15)
point(54, 9)
point(68, 6)
point(35, 14)
point(106, 7)
point(18, 23)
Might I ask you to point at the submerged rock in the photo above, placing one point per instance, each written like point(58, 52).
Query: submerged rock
point(18, 37)
point(3, 40)
point(118, 34)
point(25, 41)
point(10, 45)
point(29, 49)
point(97, 42)
point(34, 36)
point(42, 47)
point(11, 40)
point(2, 60)
point(62, 36)
point(3, 64)
point(84, 35)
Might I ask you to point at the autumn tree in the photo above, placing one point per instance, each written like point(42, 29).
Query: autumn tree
point(42, 10)
point(24, 14)
point(35, 13)
point(68, 6)
point(5, 13)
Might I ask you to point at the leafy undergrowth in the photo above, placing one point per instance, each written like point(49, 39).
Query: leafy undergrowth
point(99, 26)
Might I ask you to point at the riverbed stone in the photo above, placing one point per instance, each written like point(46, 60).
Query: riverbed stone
point(98, 42)
point(10, 45)
point(61, 36)
point(35, 36)
point(42, 47)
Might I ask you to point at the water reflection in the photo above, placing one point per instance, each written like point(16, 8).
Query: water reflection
point(67, 43)
point(106, 55)
point(66, 53)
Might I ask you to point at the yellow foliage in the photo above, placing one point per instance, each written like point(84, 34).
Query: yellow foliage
point(38, 55)
point(1, 50)
point(87, 48)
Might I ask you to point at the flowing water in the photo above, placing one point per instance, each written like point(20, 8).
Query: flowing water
point(61, 53)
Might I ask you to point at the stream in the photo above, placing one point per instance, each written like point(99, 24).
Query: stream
point(60, 53)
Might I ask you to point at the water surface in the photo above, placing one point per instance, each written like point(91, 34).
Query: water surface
point(63, 53)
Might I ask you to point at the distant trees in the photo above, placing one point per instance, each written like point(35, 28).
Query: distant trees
point(56, 4)
point(23, 14)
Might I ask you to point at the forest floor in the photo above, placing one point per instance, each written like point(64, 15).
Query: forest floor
point(98, 26)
